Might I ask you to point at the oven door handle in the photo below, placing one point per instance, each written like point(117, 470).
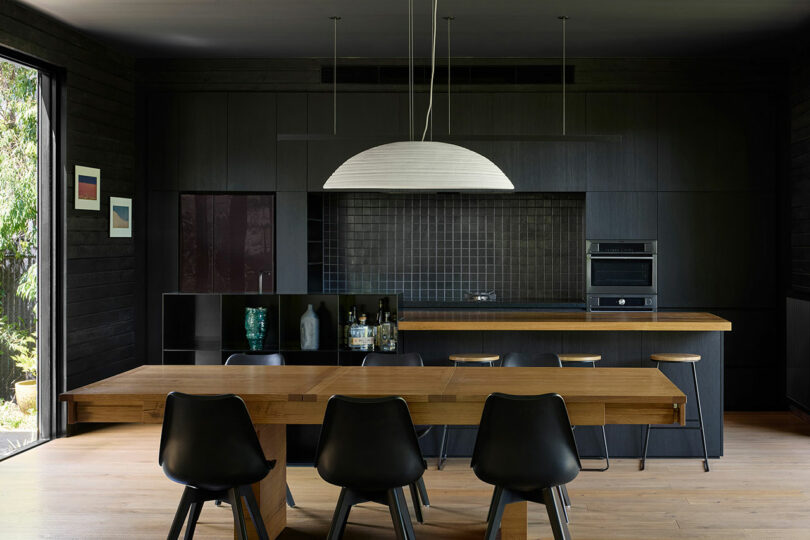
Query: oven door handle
point(642, 257)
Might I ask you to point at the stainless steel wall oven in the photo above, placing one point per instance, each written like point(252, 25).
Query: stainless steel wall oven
point(621, 275)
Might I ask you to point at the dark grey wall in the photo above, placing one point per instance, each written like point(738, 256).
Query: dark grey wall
point(102, 287)
point(697, 169)
point(798, 304)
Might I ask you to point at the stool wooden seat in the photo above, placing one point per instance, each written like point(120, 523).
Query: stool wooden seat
point(463, 358)
point(674, 357)
point(468, 358)
point(680, 358)
point(579, 357)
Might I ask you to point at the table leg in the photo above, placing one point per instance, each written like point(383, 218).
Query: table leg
point(515, 521)
point(271, 493)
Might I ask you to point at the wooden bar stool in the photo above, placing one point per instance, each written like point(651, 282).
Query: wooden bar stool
point(680, 358)
point(472, 359)
point(568, 359)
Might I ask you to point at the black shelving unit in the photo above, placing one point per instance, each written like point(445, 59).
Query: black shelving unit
point(201, 329)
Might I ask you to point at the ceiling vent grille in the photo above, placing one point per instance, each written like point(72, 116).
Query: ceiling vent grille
point(460, 75)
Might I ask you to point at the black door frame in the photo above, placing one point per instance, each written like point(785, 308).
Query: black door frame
point(51, 261)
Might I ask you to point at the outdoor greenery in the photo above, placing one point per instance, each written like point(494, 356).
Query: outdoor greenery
point(13, 419)
point(18, 203)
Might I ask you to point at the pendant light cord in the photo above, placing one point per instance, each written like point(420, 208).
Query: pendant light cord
point(448, 19)
point(563, 18)
point(335, 20)
point(432, 69)
point(410, 68)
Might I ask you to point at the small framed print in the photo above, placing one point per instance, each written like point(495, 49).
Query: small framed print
point(120, 217)
point(88, 188)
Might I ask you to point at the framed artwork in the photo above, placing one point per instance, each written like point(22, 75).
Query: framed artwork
point(120, 217)
point(88, 188)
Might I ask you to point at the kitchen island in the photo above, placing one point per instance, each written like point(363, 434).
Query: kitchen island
point(623, 339)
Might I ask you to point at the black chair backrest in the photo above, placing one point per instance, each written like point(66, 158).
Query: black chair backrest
point(519, 359)
point(383, 359)
point(368, 444)
point(525, 443)
point(210, 442)
point(244, 359)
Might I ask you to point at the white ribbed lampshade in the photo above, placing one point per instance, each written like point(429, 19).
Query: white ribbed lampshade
point(418, 166)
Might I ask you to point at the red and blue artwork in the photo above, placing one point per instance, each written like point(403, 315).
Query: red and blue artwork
point(88, 187)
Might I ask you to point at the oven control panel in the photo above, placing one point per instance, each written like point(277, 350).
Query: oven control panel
point(618, 302)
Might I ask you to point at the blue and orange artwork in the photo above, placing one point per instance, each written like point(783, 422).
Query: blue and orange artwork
point(88, 187)
point(120, 217)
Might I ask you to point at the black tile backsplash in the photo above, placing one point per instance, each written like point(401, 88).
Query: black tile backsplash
point(435, 246)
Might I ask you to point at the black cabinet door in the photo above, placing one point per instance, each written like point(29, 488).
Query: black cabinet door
point(161, 141)
point(196, 243)
point(202, 141)
point(251, 141)
point(226, 241)
point(291, 156)
point(631, 163)
point(244, 243)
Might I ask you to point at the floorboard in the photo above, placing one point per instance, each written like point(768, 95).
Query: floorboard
point(107, 484)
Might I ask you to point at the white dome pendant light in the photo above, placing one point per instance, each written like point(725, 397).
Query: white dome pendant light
point(419, 165)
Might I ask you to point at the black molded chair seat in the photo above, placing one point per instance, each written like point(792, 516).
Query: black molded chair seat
point(246, 359)
point(209, 444)
point(526, 449)
point(369, 448)
point(419, 494)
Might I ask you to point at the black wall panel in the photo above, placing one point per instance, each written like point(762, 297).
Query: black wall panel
point(251, 141)
point(102, 302)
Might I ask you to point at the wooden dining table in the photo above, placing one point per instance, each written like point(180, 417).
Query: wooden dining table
point(281, 395)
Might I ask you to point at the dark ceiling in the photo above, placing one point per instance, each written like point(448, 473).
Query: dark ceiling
point(483, 28)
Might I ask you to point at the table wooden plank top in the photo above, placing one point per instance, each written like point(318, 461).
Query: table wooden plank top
point(415, 384)
point(660, 321)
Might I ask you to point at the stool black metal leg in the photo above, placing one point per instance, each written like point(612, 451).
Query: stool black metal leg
point(290, 500)
point(647, 438)
point(443, 449)
point(420, 485)
point(700, 419)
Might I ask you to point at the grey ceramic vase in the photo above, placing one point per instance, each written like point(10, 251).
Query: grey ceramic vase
point(255, 327)
point(309, 330)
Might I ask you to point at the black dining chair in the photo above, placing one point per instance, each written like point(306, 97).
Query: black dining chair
point(209, 444)
point(368, 447)
point(244, 359)
point(526, 449)
point(419, 494)
point(519, 359)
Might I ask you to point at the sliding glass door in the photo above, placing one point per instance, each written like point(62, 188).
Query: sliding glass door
point(19, 249)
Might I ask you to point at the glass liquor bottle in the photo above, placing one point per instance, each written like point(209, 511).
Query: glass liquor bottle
point(347, 327)
point(361, 338)
point(387, 341)
point(378, 327)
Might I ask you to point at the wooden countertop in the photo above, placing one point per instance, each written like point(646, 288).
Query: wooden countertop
point(569, 321)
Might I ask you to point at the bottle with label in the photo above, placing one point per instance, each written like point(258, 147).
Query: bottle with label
point(387, 341)
point(347, 327)
point(361, 338)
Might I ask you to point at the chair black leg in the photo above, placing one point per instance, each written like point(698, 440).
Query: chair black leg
point(239, 524)
point(290, 500)
point(420, 485)
point(700, 419)
point(255, 513)
point(495, 514)
point(404, 514)
point(194, 515)
point(180, 515)
point(342, 510)
point(558, 525)
point(562, 503)
point(644, 451)
point(417, 506)
point(399, 515)
point(443, 449)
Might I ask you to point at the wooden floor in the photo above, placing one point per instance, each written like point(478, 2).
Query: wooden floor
point(107, 484)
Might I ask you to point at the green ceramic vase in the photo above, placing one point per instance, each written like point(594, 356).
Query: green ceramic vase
point(255, 327)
